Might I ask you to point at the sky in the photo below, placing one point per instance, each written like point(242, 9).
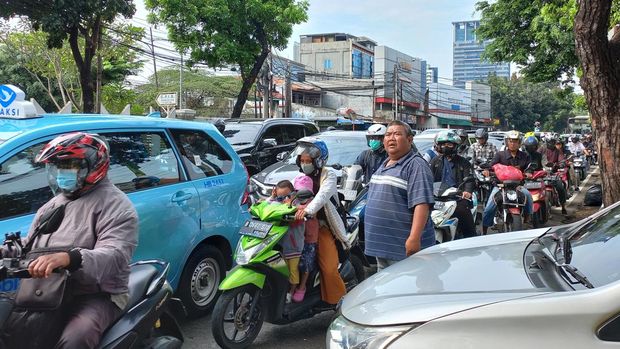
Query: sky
point(419, 28)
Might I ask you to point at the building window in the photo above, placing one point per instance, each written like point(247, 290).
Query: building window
point(327, 64)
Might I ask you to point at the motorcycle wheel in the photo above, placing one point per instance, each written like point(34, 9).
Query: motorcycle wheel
point(517, 222)
point(233, 315)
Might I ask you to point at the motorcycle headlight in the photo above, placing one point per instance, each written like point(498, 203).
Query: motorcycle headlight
point(511, 195)
point(244, 256)
point(343, 333)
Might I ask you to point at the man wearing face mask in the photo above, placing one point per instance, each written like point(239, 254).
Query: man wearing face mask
point(371, 159)
point(450, 169)
point(94, 242)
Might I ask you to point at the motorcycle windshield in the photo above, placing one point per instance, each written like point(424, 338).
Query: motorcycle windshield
point(270, 212)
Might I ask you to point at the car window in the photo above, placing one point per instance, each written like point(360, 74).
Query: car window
point(201, 154)
point(23, 184)
point(276, 132)
point(595, 249)
point(293, 133)
point(343, 150)
point(310, 130)
point(141, 160)
point(240, 133)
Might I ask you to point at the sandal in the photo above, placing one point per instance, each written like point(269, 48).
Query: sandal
point(298, 296)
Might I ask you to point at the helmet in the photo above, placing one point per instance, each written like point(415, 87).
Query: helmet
point(512, 135)
point(575, 139)
point(447, 137)
point(482, 133)
point(531, 144)
point(537, 123)
point(316, 148)
point(460, 132)
point(376, 130)
point(220, 125)
point(87, 151)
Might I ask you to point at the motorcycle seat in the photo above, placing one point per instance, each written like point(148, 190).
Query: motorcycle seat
point(139, 280)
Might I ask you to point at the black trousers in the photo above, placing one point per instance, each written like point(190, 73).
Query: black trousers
point(466, 227)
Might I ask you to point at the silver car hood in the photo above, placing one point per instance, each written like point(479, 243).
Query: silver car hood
point(445, 279)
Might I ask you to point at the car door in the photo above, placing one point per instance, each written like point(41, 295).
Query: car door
point(144, 165)
point(266, 153)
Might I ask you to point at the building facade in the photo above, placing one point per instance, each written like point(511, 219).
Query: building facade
point(432, 75)
point(337, 55)
point(467, 64)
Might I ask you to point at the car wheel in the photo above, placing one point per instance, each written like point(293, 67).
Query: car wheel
point(198, 288)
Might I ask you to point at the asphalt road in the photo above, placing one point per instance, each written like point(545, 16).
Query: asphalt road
point(310, 333)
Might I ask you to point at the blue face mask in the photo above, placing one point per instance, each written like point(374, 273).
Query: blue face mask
point(374, 144)
point(67, 179)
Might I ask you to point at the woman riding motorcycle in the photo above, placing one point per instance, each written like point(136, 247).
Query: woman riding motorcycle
point(311, 160)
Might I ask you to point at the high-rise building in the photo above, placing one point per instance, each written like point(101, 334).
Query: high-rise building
point(432, 75)
point(467, 64)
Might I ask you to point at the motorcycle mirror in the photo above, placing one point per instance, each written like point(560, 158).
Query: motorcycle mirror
point(337, 167)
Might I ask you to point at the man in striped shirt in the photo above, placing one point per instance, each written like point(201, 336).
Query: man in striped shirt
point(400, 197)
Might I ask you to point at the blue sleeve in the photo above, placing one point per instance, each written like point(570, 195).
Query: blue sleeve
point(419, 183)
point(360, 159)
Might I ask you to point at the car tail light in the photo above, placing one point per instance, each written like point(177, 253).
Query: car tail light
point(246, 194)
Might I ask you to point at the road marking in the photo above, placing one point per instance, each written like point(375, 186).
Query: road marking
point(583, 184)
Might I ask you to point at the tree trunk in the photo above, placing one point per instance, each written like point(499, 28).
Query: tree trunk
point(600, 62)
point(84, 64)
point(248, 81)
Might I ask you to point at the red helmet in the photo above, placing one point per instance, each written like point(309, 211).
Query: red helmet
point(90, 151)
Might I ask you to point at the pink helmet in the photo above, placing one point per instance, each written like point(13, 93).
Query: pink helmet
point(302, 182)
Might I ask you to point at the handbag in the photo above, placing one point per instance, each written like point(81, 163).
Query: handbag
point(43, 294)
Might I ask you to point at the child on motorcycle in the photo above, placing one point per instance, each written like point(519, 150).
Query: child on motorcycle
point(307, 262)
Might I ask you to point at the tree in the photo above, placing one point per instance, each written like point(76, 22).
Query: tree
point(519, 104)
point(230, 32)
point(72, 20)
point(600, 58)
point(554, 38)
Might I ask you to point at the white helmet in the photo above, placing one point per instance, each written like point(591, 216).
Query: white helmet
point(376, 130)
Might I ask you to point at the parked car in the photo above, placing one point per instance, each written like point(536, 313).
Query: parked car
point(543, 288)
point(186, 182)
point(258, 142)
point(343, 146)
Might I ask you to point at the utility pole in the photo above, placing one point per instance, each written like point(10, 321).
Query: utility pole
point(181, 83)
point(266, 88)
point(154, 63)
point(374, 98)
point(255, 97)
point(395, 90)
point(289, 93)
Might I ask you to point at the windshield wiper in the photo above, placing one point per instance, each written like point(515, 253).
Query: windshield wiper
point(561, 259)
point(241, 143)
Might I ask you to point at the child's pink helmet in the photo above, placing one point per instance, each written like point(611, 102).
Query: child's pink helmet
point(303, 182)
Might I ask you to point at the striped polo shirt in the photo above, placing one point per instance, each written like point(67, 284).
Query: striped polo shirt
point(393, 193)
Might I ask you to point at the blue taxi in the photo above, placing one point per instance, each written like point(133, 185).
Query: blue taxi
point(187, 183)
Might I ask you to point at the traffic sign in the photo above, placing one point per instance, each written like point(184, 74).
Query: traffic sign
point(167, 99)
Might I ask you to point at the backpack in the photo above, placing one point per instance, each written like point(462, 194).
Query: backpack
point(594, 196)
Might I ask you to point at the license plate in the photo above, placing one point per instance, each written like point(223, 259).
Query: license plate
point(256, 229)
point(349, 194)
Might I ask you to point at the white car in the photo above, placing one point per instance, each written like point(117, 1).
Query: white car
point(543, 288)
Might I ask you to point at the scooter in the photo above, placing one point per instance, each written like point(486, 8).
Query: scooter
point(581, 165)
point(255, 290)
point(541, 208)
point(148, 320)
point(446, 201)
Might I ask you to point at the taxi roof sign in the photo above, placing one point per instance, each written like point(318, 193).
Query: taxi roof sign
point(13, 104)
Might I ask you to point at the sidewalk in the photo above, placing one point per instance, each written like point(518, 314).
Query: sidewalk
point(574, 205)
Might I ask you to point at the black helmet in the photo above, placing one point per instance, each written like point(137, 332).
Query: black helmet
point(575, 139)
point(531, 144)
point(482, 133)
point(460, 132)
point(220, 125)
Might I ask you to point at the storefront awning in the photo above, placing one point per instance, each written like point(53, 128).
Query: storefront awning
point(456, 122)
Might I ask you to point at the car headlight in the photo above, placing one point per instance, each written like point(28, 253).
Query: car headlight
point(260, 188)
point(244, 256)
point(343, 333)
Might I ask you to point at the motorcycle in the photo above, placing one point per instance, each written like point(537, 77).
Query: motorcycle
point(538, 188)
point(350, 184)
point(255, 290)
point(445, 204)
point(483, 183)
point(149, 319)
point(561, 171)
point(581, 165)
point(510, 201)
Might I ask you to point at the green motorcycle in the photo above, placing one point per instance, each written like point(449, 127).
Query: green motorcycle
point(255, 290)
